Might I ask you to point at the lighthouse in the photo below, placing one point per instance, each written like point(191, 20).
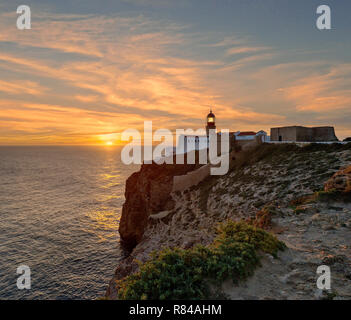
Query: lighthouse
point(199, 140)
point(211, 122)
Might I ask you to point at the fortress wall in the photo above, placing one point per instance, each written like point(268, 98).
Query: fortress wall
point(324, 134)
point(193, 178)
point(304, 134)
point(190, 179)
point(287, 133)
point(274, 134)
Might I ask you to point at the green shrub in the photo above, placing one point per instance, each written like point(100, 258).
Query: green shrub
point(185, 274)
point(243, 232)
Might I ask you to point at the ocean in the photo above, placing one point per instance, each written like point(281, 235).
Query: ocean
point(59, 214)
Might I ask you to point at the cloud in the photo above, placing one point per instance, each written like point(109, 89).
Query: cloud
point(229, 41)
point(87, 98)
point(22, 87)
point(243, 50)
point(327, 91)
point(50, 123)
point(88, 75)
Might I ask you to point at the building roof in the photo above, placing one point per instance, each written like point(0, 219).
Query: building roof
point(247, 133)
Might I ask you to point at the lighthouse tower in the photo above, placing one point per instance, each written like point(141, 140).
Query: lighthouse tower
point(211, 122)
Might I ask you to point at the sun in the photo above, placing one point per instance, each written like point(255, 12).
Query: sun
point(109, 143)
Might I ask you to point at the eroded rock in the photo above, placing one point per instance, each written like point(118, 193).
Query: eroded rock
point(340, 181)
point(147, 192)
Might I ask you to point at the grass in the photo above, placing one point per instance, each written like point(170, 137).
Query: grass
point(175, 273)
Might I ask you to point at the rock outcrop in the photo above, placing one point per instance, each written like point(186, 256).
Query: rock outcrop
point(147, 192)
point(277, 188)
point(340, 181)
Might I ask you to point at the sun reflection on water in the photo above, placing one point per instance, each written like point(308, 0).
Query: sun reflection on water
point(104, 219)
point(109, 198)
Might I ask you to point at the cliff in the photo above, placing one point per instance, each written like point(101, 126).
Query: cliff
point(147, 192)
point(299, 194)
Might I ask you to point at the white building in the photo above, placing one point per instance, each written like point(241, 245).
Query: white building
point(251, 135)
point(199, 141)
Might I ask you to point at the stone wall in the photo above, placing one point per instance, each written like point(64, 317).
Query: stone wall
point(148, 191)
point(190, 179)
point(287, 134)
point(324, 134)
point(303, 134)
point(193, 178)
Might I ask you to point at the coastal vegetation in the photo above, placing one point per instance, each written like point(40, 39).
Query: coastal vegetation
point(301, 194)
point(175, 273)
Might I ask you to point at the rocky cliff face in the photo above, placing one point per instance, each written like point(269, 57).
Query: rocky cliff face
point(280, 188)
point(147, 192)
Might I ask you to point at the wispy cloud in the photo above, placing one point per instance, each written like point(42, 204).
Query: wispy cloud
point(243, 50)
point(327, 91)
point(86, 75)
point(22, 87)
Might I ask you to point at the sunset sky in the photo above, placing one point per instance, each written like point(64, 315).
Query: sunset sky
point(89, 69)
